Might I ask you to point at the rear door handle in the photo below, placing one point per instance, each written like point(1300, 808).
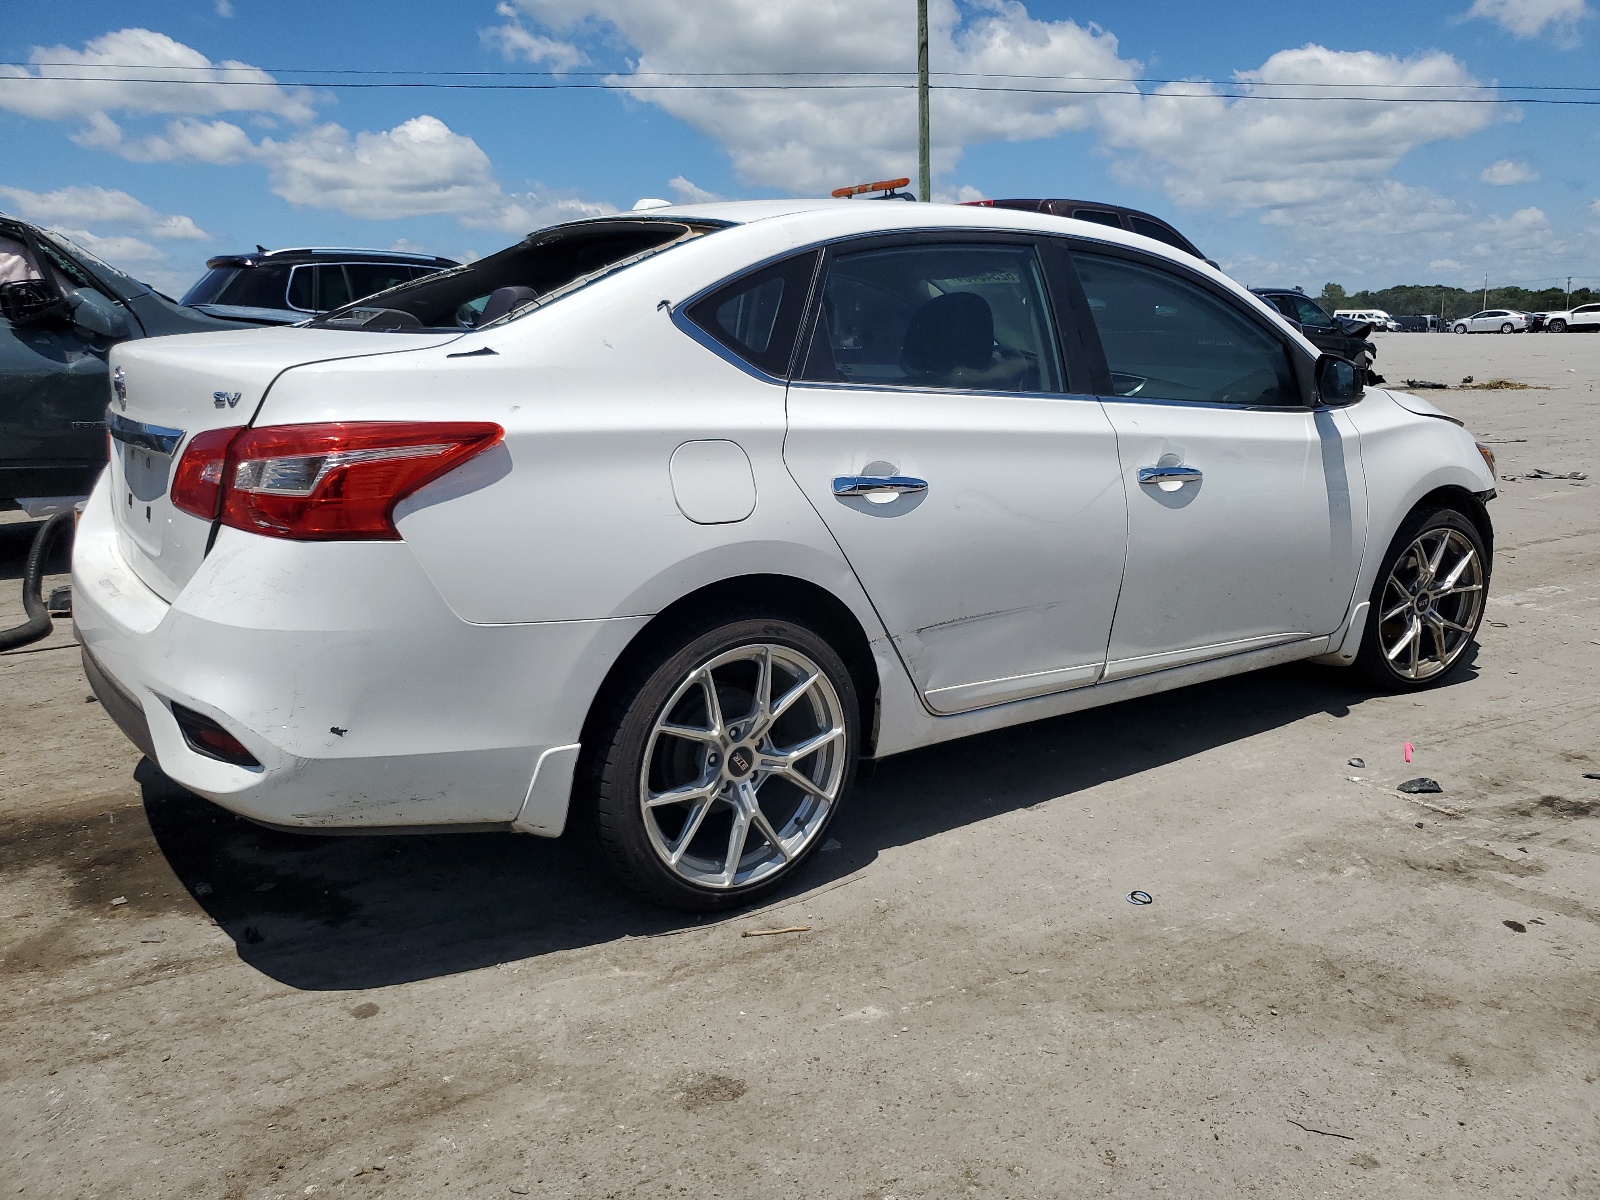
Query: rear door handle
point(1177, 474)
point(877, 485)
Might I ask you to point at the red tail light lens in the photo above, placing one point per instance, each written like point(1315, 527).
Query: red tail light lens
point(197, 483)
point(340, 480)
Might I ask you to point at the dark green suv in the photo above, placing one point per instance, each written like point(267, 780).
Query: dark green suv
point(61, 311)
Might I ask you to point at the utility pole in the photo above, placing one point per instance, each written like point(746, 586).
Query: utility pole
point(924, 170)
point(1569, 292)
point(1486, 289)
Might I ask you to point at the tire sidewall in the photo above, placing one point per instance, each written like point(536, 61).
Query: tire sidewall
point(621, 821)
point(1371, 659)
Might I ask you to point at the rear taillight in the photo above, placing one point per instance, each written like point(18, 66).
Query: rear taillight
point(197, 483)
point(335, 481)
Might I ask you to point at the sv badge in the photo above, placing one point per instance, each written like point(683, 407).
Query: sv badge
point(225, 399)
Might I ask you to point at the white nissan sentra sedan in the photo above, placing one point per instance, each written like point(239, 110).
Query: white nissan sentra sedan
point(666, 520)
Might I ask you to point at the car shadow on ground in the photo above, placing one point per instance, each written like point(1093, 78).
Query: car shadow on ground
point(347, 913)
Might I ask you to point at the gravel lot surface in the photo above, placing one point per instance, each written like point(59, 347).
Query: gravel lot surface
point(1337, 990)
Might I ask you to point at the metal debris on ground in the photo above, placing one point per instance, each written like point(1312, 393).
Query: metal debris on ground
point(1137, 897)
point(1542, 473)
point(1358, 763)
point(1419, 785)
point(771, 932)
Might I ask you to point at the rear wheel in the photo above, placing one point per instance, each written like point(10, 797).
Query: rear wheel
point(723, 760)
point(1508, 327)
point(1427, 603)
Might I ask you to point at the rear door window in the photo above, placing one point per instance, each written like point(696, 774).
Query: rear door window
point(966, 316)
point(262, 286)
point(368, 278)
point(1166, 338)
point(1100, 216)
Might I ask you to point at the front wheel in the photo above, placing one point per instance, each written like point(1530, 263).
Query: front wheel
point(723, 761)
point(1461, 328)
point(1558, 326)
point(1427, 603)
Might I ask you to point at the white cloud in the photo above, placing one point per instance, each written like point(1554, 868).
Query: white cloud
point(691, 193)
point(64, 83)
point(1530, 18)
point(516, 42)
point(116, 249)
point(224, 8)
point(1506, 172)
point(99, 206)
point(216, 142)
point(1211, 152)
point(817, 140)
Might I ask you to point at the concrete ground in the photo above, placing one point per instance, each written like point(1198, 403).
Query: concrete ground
point(1327, 996)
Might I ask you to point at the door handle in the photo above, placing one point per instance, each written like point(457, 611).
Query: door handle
point(1177, 474)
point(877, 485)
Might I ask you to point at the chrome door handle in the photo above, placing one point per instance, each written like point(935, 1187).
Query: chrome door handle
point(877, 485)
point(1149, 475)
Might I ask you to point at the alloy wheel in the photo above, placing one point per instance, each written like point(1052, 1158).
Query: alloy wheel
point(743, 765)
point(1431, 604)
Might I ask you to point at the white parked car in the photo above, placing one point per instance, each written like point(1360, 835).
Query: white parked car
point(673, 517)
point(1379, 319)
point(1492, 320)
point(1585, 318)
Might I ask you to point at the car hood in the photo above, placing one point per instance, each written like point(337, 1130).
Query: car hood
point(251, 316)
point(1416, 404)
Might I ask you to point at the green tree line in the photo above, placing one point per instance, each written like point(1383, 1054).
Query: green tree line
point(1415, 299)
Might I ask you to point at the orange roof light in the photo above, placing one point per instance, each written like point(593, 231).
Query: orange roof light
point(883, 185)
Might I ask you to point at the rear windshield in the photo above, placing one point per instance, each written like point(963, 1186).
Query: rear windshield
point(537, 269)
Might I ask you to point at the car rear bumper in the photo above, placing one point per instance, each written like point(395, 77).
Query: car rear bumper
point(366, 702)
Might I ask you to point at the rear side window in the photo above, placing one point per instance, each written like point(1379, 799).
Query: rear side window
point(1099, 216)
point(318, 287)
point(1166, 338)
point(1152, 229)
point(943, 315)
point(210, 285)
point(758, 315)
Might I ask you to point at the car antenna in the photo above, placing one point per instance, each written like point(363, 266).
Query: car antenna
point(889, 187)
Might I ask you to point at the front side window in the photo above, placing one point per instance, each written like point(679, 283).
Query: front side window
point(942, 315)
point(1166, 338)
point(1308, 314)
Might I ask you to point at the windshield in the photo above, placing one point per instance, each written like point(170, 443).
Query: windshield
point(536, 270)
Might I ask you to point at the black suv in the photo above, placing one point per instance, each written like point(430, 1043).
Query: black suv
point(1336, 335)
point(280, 287)
point(61, 311)
point(1114, 215)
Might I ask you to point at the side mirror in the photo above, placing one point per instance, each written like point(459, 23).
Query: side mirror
point(1338, 380)
point(93, 313)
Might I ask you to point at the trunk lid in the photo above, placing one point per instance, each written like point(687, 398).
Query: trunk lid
point(166, 390)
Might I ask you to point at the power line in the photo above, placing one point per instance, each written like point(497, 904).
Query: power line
point(819, 74)
point(622, 84)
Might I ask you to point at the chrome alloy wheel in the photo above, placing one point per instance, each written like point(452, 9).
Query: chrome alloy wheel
point(743, 765)
point(1431, 604)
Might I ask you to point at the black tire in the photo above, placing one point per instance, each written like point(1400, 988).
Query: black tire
point(1508, 327)
point(1461, 328)
point(625, 729)
point(1372, 660)
point(1558, 326)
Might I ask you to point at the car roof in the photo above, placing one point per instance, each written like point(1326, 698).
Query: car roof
point(321, 253)
point(824, 218)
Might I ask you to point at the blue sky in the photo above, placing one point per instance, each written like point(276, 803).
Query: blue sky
point(156, 177)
